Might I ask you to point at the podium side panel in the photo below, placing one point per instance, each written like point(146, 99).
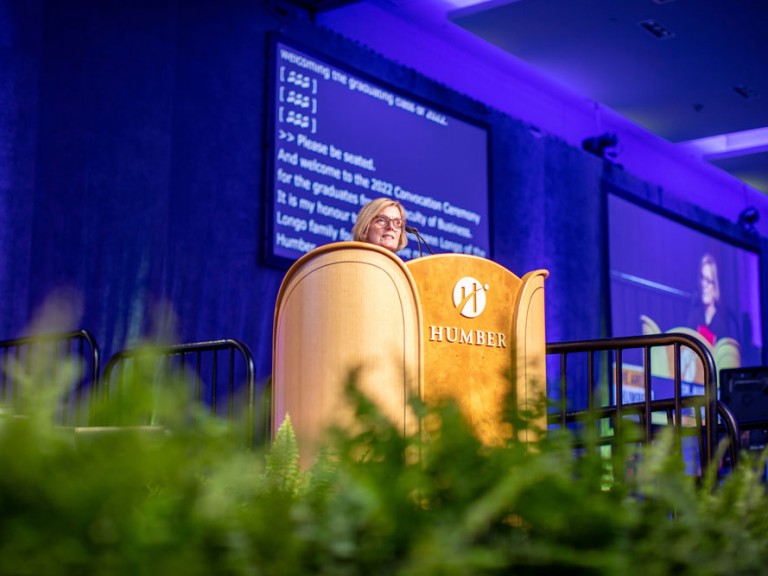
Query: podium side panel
point(531, 348)
point(345, 309)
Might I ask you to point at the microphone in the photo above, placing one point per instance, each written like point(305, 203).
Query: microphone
point(413, 230)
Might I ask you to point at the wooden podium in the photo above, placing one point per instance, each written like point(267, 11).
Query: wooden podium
point(441, 326)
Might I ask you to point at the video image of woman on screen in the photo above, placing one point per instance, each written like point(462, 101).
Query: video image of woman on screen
point(713, 321)
point(381, 222)
point(710, 320)
point(709, 316)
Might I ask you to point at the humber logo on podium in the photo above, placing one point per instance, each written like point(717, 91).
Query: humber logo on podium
point(469, 299)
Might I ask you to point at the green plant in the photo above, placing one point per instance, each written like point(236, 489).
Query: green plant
point(184, 497)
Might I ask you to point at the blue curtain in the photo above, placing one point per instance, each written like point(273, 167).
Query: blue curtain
point(131, 173)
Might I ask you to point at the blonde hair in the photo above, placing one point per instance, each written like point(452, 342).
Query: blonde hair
point(369, 212)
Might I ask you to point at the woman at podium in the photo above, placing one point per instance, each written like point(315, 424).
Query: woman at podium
point(381, 222)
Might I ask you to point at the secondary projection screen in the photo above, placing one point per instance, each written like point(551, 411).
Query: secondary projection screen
point(668, 276)
point(340, 139)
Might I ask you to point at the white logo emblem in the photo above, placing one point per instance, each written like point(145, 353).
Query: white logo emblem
point(469, 297)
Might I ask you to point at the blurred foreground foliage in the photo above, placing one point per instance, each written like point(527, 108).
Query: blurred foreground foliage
point(185, 496)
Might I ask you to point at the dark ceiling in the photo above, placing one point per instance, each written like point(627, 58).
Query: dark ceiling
point(682, 69)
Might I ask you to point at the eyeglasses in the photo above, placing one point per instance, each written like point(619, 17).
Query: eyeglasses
point(706, 281)
point(385, 221)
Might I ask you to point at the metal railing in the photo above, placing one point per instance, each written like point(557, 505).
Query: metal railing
point(40, 359)
point(221, 372)
point(605, 374)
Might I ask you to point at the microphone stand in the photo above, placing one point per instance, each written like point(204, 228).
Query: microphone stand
point(419, 239)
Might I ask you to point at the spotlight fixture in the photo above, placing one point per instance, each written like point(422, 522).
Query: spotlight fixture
point(748, 218)
point(601, 145)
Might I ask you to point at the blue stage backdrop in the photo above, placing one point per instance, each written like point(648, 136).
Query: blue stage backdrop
point(132, 148)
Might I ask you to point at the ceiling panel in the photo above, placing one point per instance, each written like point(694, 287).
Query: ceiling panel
point(683, 70)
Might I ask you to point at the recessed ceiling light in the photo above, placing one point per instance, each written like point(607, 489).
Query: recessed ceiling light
point(745, 92)
point(656, 29)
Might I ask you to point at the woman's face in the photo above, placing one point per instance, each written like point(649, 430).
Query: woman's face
point(707, 285)
point(383, 233)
